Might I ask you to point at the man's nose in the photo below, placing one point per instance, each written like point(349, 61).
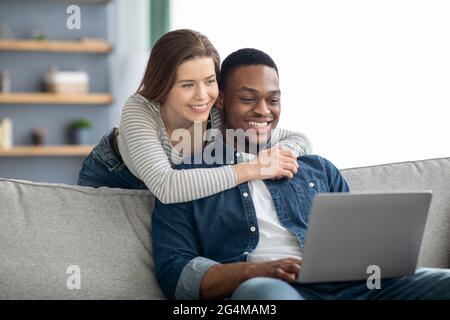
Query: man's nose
point(262, 108)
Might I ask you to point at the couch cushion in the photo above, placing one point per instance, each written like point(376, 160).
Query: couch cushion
point(431, 175)
point(46, 228)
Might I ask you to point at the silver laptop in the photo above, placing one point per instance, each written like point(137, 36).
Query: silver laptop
point(348, 232)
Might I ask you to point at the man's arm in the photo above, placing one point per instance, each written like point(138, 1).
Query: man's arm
point(183, 273)
point(336, 182)
point(176, 250)
point(222, 279)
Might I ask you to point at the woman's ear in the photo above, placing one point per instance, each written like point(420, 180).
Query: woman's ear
point(219, 101)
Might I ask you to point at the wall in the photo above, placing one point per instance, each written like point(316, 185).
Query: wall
point(366, 80)
point(123, 24)
point(132, 34)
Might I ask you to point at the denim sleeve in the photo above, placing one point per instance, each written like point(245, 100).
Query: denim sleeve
point(188, 287)
point(175, 245)
point(336, 181)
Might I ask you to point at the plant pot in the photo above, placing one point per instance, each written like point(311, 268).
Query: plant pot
point(82, 136)
point(38, 136)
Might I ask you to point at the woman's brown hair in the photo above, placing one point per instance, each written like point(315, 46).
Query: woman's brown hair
point(171, 50)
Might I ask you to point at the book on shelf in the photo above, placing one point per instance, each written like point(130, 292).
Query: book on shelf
point(5, 133)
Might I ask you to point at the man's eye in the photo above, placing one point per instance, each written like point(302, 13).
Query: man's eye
point(275, 101)
point(246, 99)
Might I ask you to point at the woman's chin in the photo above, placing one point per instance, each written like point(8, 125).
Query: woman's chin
point(199, 116)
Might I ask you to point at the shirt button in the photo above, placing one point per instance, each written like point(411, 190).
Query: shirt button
point(246, 252)
point(238, 154)
point(252, 229)
point(311, 184)
point(245, 194)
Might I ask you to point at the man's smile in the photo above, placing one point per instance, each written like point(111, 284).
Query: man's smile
point(259, 123)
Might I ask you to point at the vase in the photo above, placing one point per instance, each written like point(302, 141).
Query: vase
point(82, 136)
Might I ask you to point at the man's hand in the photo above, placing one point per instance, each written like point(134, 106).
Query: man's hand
point(222, 279)
point(287, 269)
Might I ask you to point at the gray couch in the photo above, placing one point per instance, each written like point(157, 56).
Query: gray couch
point(47, 228)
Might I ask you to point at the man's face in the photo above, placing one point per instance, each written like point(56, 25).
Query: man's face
point(251, 100)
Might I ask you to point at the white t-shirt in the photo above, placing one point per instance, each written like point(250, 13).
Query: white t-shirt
point(275, 241)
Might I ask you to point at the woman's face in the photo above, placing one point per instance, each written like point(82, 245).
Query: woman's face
point(194, 92)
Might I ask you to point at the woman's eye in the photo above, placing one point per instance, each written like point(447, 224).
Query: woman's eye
point(187, 85)
point(211, 81)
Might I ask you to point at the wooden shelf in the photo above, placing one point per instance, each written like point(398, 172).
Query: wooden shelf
point(88, 46)
point(54, 98)
point(37, 151)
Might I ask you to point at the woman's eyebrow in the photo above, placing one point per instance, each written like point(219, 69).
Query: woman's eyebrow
point(188, 80)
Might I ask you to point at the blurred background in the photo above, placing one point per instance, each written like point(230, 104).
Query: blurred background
point(367, 81)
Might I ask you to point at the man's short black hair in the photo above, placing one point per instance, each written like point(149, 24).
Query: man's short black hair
point(242, 58)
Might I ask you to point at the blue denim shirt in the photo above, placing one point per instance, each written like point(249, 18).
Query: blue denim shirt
point(191, 237)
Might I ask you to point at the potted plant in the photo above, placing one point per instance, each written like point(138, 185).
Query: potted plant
point(81, 131)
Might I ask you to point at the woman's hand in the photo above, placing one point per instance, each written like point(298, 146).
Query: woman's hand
point(276, 163)
point(273, 163)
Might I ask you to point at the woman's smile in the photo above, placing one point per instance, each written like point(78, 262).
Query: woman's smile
point(200, 108)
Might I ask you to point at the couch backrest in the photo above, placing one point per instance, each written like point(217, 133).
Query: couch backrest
point(46, 229)
point(434, 175)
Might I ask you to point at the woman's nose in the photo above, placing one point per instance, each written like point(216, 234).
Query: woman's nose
point(201, 93)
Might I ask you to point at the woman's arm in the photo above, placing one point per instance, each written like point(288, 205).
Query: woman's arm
point(295, 141)
point(142, 150)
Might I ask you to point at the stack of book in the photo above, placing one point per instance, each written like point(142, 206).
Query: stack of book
point(5, 133)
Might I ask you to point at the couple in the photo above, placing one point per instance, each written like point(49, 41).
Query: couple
point(218, 229)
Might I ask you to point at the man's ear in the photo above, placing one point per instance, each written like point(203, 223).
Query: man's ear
point(219, 101)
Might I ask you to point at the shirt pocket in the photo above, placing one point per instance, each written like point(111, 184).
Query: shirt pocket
point(306, 190)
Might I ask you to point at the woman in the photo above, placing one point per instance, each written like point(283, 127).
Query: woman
point(179, 89)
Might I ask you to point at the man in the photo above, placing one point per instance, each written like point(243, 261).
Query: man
point(247, 242)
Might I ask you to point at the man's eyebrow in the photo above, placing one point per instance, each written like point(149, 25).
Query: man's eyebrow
point(248, 89)
point(256, 91)
point(188, 80)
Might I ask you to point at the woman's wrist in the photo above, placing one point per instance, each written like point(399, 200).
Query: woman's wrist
point(245, 171)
